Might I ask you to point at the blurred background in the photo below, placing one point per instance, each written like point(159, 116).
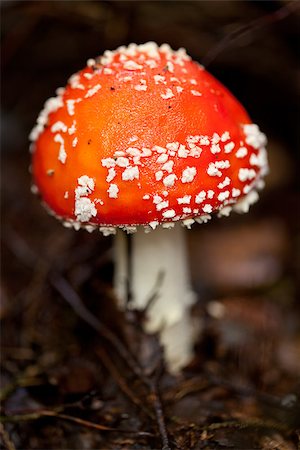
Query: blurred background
point(244, 268)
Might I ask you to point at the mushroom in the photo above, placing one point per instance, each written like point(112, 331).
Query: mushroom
point(144, 140)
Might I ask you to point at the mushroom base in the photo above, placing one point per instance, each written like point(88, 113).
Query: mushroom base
point(159, 271)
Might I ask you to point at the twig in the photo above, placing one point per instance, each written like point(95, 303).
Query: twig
point(159, 415)
point(71, 296)
point(48, 413)
point(255, 24)
point(248, 423)
point(121, 381)
point(68, 293)
point(6, 439)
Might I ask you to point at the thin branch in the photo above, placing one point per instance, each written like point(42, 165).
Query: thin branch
point(6, 439)
point(247, 28)
point(121, 382)
point(48, 413)
point(70, 295)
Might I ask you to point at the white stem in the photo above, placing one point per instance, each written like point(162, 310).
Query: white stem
point(159, 266)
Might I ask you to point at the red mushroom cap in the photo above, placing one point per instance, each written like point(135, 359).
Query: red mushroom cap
point(145, 136)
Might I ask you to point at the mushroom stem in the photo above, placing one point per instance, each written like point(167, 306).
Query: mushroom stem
point(159, 271)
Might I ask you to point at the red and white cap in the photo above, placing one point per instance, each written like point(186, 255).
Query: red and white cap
point(145, 136)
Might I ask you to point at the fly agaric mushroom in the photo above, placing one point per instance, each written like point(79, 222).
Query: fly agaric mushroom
point(145, 139)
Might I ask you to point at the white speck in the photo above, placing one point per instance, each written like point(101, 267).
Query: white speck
point(183, 152)
point(126, 79)
point(66, 195)
point(207, 208)
point(246, 174)
point(92, 91)
point(173, 146)
point(162, 205)
point(186, 210)
point(84, 209)
point(236, 192)
point(200, 197)
point(159, 149)
point(254, 136)
point(71, 107)
point(223, 164)
point(162, 158)
point(140, 87)
point(72, 129)
point(146, 197)
point(59, 126)
point(229, 147)
point(108, 162)
point(133, 151)
point(188, 174)
point(130, 173)
point(131, 65)
point(122, 162)
point(196, 93)
point(260, 160)
point(246, 189)
point(168, 94)
point(170, 66)
point(107, 231)
point(193, 81)
point(146, 152)
point(242, 152)
point(215, 138)
point(242, 206)
point(157, 199)
point(168, 225)
point(159, 79)
point(74, 81)
point(86, 185)
point(204, 140)
point(225, 211)
point(51, 105)
point(113, 191)
point(215, 148)
point(203, 219)
point(88, 75)
point(168, 166)
point(107, 71)
point(179, 89)
point(186, 199)
point(90, 62)
point(188, 223)
point(153, 224)
point(130, 229)
point(119, 153)
point(62, 155)
point(210, 194)
point(225, 183)
point(169, 214)
point(75, 142)
point(225, 136)
point(223, 195)
point(158, 175)
point(213, 170)
point(111, 174)
point(169, 180)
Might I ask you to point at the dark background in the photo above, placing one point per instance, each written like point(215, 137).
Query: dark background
point(247, 363)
